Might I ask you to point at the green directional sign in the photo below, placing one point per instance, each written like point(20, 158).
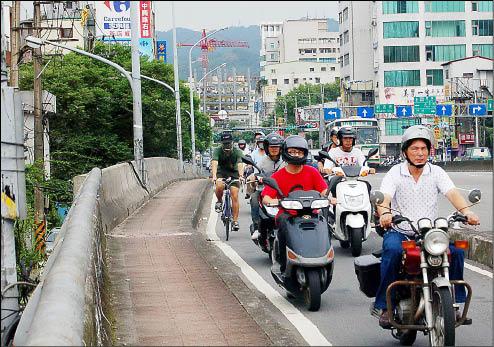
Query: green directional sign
point(490, 105)
point(384, 108)
point(424, 105)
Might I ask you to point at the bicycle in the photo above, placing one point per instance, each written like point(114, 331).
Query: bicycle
point(226, 210)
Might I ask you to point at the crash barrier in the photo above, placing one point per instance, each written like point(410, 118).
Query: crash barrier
point(67, 306)
point(462, 166)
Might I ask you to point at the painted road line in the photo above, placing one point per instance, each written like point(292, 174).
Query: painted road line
point(478, 270)
point(305, 327)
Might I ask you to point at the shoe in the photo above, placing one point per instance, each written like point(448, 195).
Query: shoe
point(235, 226)
point(468, 321)
point(255, 235)
point(384, 320)
point(218, 206)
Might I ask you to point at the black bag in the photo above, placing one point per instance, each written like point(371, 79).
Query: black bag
point(368, 271)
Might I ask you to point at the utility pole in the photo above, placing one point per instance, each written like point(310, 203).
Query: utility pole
point(321, 118)
point(39, 203)
point(136, 90)
point(476, 121)
point(15, 43)
point(178, 117)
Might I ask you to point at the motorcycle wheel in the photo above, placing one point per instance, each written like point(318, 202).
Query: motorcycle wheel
point(443, 315)
point(344, 244)
point(356, 240)
point(312, 293)
point(407, 337)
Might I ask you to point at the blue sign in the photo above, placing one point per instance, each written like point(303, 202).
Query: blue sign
point(444, 110)
point(477, 110)
point(146, 48)
point(365, 112)
point(331, 113)
point(161, 51)
point(403, 111)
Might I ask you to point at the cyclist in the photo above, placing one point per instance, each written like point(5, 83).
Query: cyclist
point(227, 162)
point(271, 163)
point(332, 143)
point(294, 176)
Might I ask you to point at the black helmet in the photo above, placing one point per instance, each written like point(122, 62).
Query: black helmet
point(295, 141)
point(273, 139)
point(242, 144)
point(333, 132)
point(260, 141)
point(259, 133)
point(346, 132)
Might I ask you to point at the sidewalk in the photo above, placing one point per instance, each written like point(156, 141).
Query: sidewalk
point(163, 291)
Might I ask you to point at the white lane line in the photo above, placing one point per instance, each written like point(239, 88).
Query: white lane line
point(305, 327)
point(478, 270)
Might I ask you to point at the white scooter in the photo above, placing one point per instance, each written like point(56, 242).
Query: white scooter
point(353, 213)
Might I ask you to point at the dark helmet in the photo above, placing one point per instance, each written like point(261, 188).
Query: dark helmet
point(259, 133)
point(333, 132)
point(416, 132)
point(295, 141)
point(273, 139)
point(260, 141)
point(242, 144)
point(346, 132)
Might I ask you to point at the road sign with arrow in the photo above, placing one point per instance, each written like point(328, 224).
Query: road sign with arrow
point(403, 111)
point(444, 110)
point(332, 113)
point(477, 110)
point(365, 112)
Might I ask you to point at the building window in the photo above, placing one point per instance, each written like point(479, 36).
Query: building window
point(346, 37)
point(445, 6)
point(434, 77)
point(327, 60)
point(445, 52)
point(325, 50)
point(400, 29)
point(390, 7)
point(273, 56)
point(323, 68)
point(307, 51)
point(274, 81)
point(485, 50)
point(286, 81)
point(399, 54)
point(397, 126)
point(341, 39)
point(341, 61)
point(482, 27)
point(318, 80)
point(307, 59)
point(346, 59)
point(66, 33)
point(295, 81)
point(482, 6)
point(445, 28)
point(68, 5)
point(271, 45)
point(402, 78)
point(333, 68)
point(311, 69)
point(273, 71)
point(345, 14)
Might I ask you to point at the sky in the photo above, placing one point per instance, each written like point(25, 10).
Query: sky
point(217, 14)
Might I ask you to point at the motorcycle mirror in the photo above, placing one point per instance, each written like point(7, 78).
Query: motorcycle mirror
point(271, 182)
point(247, 159)
point(372, 152)
point(474, 196)
point(325, 155)
point(376, 197)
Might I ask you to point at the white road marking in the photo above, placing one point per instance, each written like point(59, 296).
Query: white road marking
point(478, 270)
point(305, 327)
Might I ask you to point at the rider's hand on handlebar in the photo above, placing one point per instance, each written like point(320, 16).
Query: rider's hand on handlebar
point(472, 218)
point(259, 179)
point(372, 171)
point(385, 220)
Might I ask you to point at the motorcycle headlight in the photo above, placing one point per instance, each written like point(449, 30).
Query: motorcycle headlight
point(291, 204)
point(319, 203)
point(436, 242)
point(356, 200)
point(272, 211)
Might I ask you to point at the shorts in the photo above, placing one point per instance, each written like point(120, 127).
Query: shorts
point(225, 176)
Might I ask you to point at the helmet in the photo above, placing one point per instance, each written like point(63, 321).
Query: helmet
point(259, 133)
point(333, 132)
point(272, 139)
point(242, 144)
point(326, 146)
point(294, 141)
point(416, 132)
point(260, 141)
point(346, 132)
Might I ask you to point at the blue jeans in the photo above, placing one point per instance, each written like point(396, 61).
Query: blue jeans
point(390, 266)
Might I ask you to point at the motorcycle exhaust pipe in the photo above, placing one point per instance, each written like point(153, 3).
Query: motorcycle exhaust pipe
point(420, 309)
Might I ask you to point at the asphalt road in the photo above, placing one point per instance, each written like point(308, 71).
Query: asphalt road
point(344, 317)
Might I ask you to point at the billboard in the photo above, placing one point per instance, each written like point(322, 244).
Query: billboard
point(161, 51)
point(146, 48)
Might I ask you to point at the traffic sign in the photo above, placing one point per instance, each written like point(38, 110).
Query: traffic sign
point(424, 105)
point(365, 112)
point(444, 110)
point(332, 113)
point(490, 105)
point(477, 109)
point(403, 111)
point(384, 108)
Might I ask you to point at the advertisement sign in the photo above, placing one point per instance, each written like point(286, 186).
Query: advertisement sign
point(113, 20)
point(145, 17)
point(466, 139)
point(146, 48)
point(161, 51)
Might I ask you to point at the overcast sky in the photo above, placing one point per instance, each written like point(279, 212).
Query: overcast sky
point(216, 14)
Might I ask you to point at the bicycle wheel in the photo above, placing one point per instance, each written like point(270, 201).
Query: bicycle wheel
point(227, 212)
point(227, 228)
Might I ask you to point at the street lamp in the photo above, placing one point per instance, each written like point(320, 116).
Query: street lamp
point(204, 89)
point(36, 42)
point(192, 130)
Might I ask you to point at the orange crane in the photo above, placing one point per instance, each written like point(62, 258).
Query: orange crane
point(208, 45)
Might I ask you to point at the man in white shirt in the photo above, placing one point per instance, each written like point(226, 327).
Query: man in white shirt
point(412, 188)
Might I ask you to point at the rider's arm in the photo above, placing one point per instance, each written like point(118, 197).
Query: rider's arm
point(214, 169)
point(461, 205)
point(384, 212)
point(241, 170)
point(267, 200)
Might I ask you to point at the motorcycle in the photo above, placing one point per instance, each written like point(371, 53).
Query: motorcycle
point(353, 212)
point(309, 253)
point(424, 294)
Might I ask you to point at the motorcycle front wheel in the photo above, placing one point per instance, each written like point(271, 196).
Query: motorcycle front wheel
point(312, 293)
point(356, 237)
point(443, 318)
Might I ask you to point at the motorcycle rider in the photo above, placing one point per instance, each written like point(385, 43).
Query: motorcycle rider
point(412, 188)
point(294, 176)
point(227, 162)
point(332, 143)
point(257, 154)
point(270, 163)
point(242, 145)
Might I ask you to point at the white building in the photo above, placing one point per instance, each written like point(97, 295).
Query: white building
point(296, 52)
point(409, 41)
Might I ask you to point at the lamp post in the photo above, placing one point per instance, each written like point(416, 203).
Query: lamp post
point(36, 42)
point(191, 86)
point(204, 89)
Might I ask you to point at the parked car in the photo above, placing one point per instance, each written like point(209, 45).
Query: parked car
point(477, 153)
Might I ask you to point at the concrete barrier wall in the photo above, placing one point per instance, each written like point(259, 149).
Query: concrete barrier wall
point(471, 165)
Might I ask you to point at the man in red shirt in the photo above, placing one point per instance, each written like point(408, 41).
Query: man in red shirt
point(295, 176)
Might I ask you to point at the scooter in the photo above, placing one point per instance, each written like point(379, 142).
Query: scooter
point(353, 213)
point(309, 253)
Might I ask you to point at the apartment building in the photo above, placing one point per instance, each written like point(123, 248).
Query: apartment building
point(295, 52)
